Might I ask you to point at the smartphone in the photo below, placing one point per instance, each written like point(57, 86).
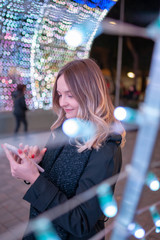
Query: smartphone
point(14, 150)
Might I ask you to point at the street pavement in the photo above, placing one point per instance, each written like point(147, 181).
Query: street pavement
point(14, 210)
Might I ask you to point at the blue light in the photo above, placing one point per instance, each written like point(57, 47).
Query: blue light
point(126, 114)
point(76, 127)
point(136, 230)
point(103, 4)
point(152, 182)
point(44, 230)
point(106, 200)
point(155, 216)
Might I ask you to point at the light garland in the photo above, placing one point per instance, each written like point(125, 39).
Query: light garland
point(32, 46)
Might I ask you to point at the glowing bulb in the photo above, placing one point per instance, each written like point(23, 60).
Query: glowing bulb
point(106, 200)
point(111, 210)
point(136, 230)
point(131, 75)
point(139, 233)
point(152, 181)
point(154, 185)
point(44, 230)
point(76, 127)
point(157, 230)
point(155, 216)
point(127, 114)
point(73, 38)
point(120, 113)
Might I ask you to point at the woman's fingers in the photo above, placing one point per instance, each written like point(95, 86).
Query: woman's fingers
point(10, 157)
point(40, 156)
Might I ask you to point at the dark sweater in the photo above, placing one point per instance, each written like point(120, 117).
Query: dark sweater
point(68, 173)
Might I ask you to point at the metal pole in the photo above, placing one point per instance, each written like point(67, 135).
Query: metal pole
point(119, 57)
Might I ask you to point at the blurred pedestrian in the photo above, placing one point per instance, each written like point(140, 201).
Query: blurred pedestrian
point(20, 107)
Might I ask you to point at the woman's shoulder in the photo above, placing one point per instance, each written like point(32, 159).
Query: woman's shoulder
point(109, 146)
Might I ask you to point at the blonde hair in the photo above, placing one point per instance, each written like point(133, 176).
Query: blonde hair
point(86, 82)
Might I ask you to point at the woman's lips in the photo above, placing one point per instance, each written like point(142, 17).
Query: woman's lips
point(67, 110)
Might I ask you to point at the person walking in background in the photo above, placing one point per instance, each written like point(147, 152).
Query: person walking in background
point(20, 107)
point(78, 163)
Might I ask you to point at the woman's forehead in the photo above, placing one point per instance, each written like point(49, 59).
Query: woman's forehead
point(61, 84)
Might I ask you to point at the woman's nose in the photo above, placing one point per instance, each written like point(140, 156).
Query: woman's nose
point(63, 101)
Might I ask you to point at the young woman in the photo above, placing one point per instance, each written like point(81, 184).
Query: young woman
point(79, 92)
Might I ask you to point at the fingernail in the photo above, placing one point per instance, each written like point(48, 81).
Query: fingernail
point(19, 151)
point(32, 156)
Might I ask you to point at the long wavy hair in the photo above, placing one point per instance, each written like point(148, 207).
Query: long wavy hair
point(87, 85)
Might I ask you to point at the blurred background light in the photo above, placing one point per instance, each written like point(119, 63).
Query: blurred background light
point(131, 75)
point(74, 38)
point(33, 48)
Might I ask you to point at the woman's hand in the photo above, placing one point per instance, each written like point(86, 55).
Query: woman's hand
point(33, 152)
point(24, 169)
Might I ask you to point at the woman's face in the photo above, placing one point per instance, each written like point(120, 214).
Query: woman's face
point(66, 99)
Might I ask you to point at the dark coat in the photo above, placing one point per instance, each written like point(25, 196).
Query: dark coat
point(49, 191)
point(19, 103)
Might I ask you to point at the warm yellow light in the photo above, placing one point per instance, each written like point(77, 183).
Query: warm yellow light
point(131, 75)
point(113, 23)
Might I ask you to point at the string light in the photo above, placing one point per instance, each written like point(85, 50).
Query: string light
point(136, 230)
point(155, 216)
point(157, 230)
point(107, 201)
point(75, 127)
point(33, 47)
point(152, 181)
point(44, 230)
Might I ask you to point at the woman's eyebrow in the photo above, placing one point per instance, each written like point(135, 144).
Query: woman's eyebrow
point(68, 91)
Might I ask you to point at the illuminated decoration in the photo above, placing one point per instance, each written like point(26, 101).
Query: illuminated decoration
point(127, 114)
point(32, 46)
point(103, 4)
point(44, 230)
point(152, 181)
point(120, 113)
point(49, 49)
point(131, 75)
point(157, 230)
point(16, 30)
point(155, 216)
point(136, 230)
point(106, 200)
point(75, 127)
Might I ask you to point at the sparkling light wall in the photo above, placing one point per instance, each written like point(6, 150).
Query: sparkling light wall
point(32, 45)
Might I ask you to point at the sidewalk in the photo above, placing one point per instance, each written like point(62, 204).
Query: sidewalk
point(14, 211)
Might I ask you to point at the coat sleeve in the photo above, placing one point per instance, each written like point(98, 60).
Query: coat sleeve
point(44, 195)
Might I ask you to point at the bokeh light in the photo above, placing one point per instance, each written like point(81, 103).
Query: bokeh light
point(106, 200)
point(33, 48)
